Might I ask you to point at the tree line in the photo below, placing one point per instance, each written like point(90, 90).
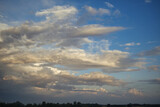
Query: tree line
point(74, 104)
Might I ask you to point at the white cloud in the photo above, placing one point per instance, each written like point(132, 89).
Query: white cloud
point(131, 44)
point(135, 92)
point(31, 52)
point(148, 1)
point(98, 46)
point(75, 58)
point(91, 10)
point(104, 11)
point(109, 5)
point(59, 12)
point(96, 30)
point(100, 11)
point(58, 30)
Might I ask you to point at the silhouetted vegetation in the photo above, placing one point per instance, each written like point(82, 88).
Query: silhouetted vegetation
point(74, 104)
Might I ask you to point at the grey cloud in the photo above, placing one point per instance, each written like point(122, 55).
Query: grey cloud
point(116, 70)
point(151, 81)
point(32, 76)
point(154, 68)
point(153, 52)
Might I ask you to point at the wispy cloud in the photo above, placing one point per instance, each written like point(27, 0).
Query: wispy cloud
point(109, 5)
point(153, 52)
point(148, 1)
point(151, 81)
point(154, 68)
point(131, 44)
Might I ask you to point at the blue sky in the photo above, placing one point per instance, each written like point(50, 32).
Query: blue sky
point(84, 50)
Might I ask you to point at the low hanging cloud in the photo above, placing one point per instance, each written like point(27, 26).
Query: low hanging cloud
point(54, 78)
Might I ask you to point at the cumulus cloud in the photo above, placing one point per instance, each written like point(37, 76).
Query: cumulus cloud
point(3, 26)
point(153, 52)
point(135, 92)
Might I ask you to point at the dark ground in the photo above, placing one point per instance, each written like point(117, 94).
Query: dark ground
point(74, 104)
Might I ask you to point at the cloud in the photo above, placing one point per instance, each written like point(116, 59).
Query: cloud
point(100, 11)
point(58, 29)
point(59, 12)
point(116, 70)
point(109, 5)
point(153, 52)
point(3, 26)
point(54, 49)
point(131, 44)
point(29, 75)
point(135, 92)
point(116, 12)
point(148, 1)
point(98, 46)
point(151, 81)
point(75, 59)
point(96, 30)
point(154, 68)
point(27, 78)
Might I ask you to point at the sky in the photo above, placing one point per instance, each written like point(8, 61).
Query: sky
point(92, 51)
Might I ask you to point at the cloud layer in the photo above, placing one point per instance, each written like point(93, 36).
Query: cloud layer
point(59, 58)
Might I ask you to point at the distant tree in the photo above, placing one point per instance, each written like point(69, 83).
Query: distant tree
point(29, 105)
point(129, 105)
point(108, 105)
point(75, 103)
